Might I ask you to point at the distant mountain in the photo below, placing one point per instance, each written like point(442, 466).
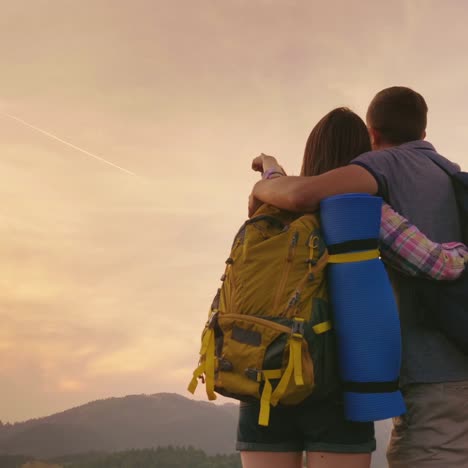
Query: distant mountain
point(116, 424)
point(137, 422)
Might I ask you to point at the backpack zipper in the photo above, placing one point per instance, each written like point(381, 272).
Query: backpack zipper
point(314, 267)
point(286, 269)
point(258, 320)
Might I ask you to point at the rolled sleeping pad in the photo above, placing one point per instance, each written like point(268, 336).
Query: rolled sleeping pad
point(364, 308)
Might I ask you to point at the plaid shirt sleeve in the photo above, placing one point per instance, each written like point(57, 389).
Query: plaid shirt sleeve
point(404, 247)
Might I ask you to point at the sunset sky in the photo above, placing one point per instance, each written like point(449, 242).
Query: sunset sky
point(106, 278)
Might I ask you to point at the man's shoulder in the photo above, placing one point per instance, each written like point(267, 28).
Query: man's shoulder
point(420, 150)
point(389, 165)
point(376, 159)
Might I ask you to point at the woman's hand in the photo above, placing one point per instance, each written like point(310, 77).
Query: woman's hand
point(264, 162)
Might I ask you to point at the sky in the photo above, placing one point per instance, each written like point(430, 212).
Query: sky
point(107, 277)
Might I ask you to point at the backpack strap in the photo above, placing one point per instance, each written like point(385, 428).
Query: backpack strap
point(207, 360)
point(459, 180)
point(265, 400)
point(269, 397)
point(358, 250)
point(354, 256)
point(294, 366)
point(438, 163)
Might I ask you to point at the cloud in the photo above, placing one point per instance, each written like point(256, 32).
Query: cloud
point(69, 385)
point(103, 275)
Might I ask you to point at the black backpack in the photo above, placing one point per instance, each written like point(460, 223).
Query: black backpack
point(446, 302)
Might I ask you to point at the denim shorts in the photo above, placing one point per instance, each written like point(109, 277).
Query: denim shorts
point(312, 426)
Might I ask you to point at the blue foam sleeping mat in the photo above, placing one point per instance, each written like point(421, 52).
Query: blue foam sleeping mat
point(364, 308)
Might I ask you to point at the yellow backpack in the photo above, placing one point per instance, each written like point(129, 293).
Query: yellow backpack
point(269, 334)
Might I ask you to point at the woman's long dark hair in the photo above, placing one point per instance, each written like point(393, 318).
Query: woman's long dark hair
point(338, 138)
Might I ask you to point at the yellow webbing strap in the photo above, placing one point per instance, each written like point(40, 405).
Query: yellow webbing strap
point(264, 415)
point(322, 327)
point(294, 365)
point(265, 400)
point(354, 256)
point(271, 374)
point(295, 347)
point(192, 386)
point(210, 366)
point(207, 366)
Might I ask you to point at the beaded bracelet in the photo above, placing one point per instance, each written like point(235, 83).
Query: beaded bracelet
point(267, 174)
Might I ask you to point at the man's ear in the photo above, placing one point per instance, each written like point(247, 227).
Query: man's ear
point(375, 138)
point(423, 135)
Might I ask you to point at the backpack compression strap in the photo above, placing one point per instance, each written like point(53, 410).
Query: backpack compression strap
point(353, 251)
point(266, 375)
point(295, 361)
point(293, 368)
point(207, 362)
point(354, 256)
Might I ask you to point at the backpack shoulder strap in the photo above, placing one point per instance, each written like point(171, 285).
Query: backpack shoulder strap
point(438, 163)
point(459, 180)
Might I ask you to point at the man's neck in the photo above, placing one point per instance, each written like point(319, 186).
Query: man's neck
point(383, 146)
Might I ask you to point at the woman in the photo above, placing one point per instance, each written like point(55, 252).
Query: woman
point(319, 427)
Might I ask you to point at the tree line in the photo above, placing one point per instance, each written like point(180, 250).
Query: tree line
point(161, 457)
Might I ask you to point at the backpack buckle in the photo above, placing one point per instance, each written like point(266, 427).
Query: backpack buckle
point(297, 329)
point(212, 319)
point(253, 374)
point(224, 365)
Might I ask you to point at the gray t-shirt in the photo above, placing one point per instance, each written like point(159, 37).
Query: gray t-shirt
point(422, 192)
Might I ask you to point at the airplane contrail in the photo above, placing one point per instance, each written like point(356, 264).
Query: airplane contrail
point(71, 145)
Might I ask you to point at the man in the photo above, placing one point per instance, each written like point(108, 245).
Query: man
point(434, 374)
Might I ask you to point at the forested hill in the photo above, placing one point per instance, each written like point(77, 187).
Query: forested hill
point(161, 457)
point(135, 422)
point(131, 422)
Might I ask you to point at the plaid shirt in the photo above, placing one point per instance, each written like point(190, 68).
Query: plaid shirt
point(407, 249)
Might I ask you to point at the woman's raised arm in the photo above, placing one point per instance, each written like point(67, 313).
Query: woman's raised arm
point(303, 194)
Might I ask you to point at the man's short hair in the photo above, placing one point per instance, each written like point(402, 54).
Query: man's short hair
point(399, 114)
